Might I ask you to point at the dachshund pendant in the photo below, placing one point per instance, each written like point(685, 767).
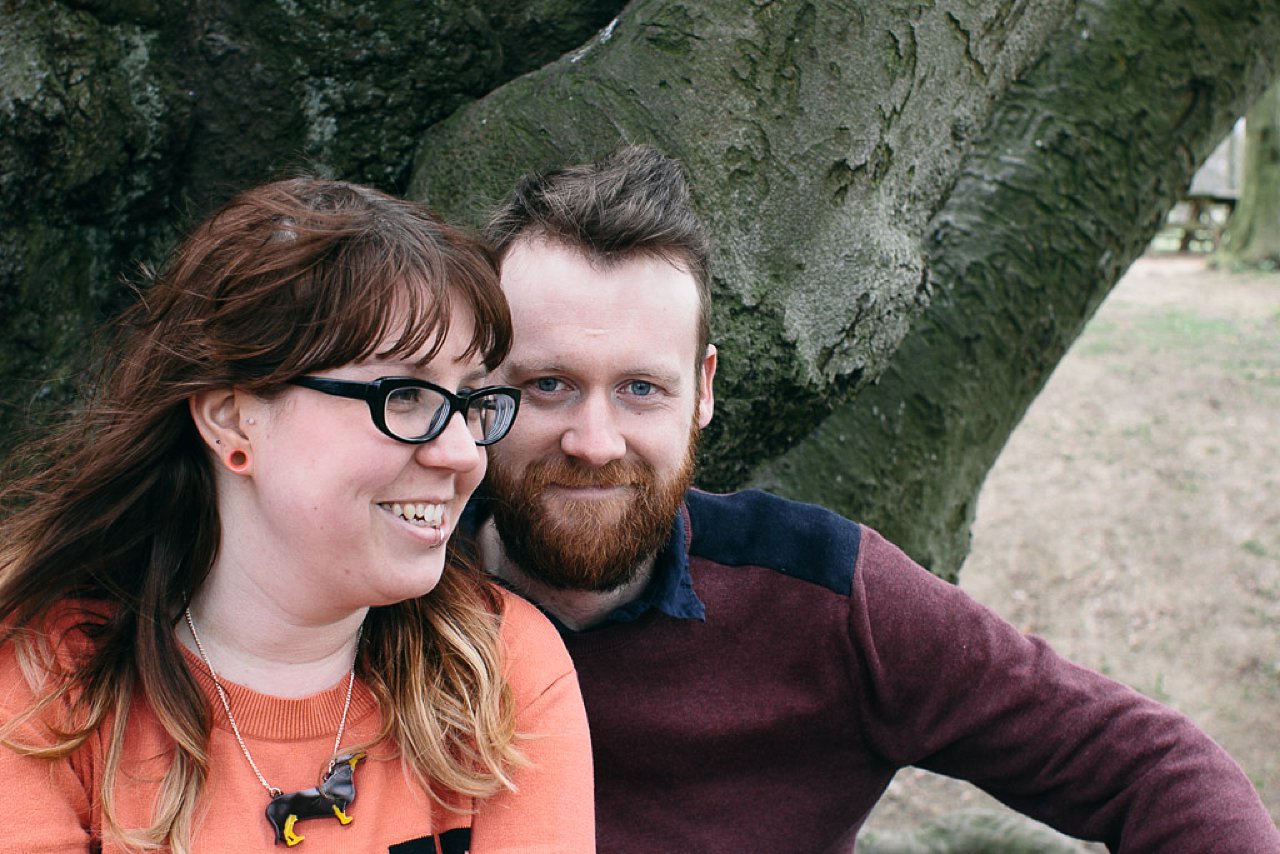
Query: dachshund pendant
point(328, 800)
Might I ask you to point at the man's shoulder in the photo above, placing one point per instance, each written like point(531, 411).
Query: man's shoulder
point(758, 529)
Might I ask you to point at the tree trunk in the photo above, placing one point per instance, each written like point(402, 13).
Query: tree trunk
point(1072, 178)
point(122, 119)
point(931, 195)
point(1252, 235)
point(819, 140)
point(1000, 163)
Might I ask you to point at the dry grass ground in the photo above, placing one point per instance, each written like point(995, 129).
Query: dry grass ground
point(1133, 519)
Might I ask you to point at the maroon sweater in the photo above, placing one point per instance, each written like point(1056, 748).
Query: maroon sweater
point(826, 661)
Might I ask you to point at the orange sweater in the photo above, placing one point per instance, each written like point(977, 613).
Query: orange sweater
point(55, 806)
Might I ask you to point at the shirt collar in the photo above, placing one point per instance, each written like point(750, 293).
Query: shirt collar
point(670, 591)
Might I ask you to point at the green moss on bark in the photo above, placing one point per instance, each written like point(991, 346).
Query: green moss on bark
point(123, 120)
point(1252, 236)
point(815, 162)
point(86, 140)
point(1071, 179)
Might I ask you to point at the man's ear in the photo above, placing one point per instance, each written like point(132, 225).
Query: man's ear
point(706, 387)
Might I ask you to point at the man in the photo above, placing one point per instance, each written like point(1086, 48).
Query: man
point(755, 670)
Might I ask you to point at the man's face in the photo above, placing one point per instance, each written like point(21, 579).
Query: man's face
point(614, 393)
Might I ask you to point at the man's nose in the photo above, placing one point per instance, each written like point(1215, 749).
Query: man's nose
point(594, 437)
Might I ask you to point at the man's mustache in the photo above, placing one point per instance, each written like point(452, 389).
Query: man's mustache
point(613, 473)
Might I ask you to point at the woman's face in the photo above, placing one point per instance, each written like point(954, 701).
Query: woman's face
point(334, 515)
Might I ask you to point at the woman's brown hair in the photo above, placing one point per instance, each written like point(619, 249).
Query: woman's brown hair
point(118, 524)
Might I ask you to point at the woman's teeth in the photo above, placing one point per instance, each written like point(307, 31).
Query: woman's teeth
point(424, 515)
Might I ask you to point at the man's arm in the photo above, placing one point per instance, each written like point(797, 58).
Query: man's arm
point(954, 689)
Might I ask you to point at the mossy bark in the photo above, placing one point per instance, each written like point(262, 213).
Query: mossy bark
point(1073, 176)
point(819, 139)
point(1000, 163)
point(1252, 235)
point(933, 195)
point(88, 133)
point(121, 120)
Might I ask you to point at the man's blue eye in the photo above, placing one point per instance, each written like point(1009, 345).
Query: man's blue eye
point(640, 388)
point(546, 384)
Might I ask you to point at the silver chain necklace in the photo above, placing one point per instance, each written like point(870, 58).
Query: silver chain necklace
point(235, 729)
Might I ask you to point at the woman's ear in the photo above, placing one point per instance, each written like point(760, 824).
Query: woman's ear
point(216, 413)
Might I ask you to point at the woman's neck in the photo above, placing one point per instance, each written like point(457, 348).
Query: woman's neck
point(274, 650)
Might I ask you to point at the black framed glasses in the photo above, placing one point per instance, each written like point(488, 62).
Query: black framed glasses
point(415, 411)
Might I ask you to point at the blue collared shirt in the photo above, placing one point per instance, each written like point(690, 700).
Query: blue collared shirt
point(670, 590)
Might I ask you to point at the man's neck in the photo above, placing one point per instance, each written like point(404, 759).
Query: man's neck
point(576, 609)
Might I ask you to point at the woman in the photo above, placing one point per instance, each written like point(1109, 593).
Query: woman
point(225, 590)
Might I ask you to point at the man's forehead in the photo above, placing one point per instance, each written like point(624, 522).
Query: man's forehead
point(530, 260)
point(640, 312)
point(550, 358)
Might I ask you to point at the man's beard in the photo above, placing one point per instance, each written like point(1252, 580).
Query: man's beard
point(586, 545)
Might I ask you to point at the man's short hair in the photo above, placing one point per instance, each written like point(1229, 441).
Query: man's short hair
point(633, 202)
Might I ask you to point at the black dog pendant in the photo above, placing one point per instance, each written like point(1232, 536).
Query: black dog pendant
point(328, 800)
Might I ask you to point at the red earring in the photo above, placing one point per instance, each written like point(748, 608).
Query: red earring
point(236, 461)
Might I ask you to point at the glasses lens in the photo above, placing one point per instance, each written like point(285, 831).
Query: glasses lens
point(412, 412)
point(490, 415)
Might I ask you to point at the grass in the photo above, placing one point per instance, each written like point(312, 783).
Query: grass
point(1191, 338)
point(1158, 691)
point(1172, 330)
point(1259, 370)
point(1184, 329)
point(1254, 547)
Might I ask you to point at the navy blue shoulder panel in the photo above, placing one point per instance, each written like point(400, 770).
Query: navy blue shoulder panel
point(753, 528)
